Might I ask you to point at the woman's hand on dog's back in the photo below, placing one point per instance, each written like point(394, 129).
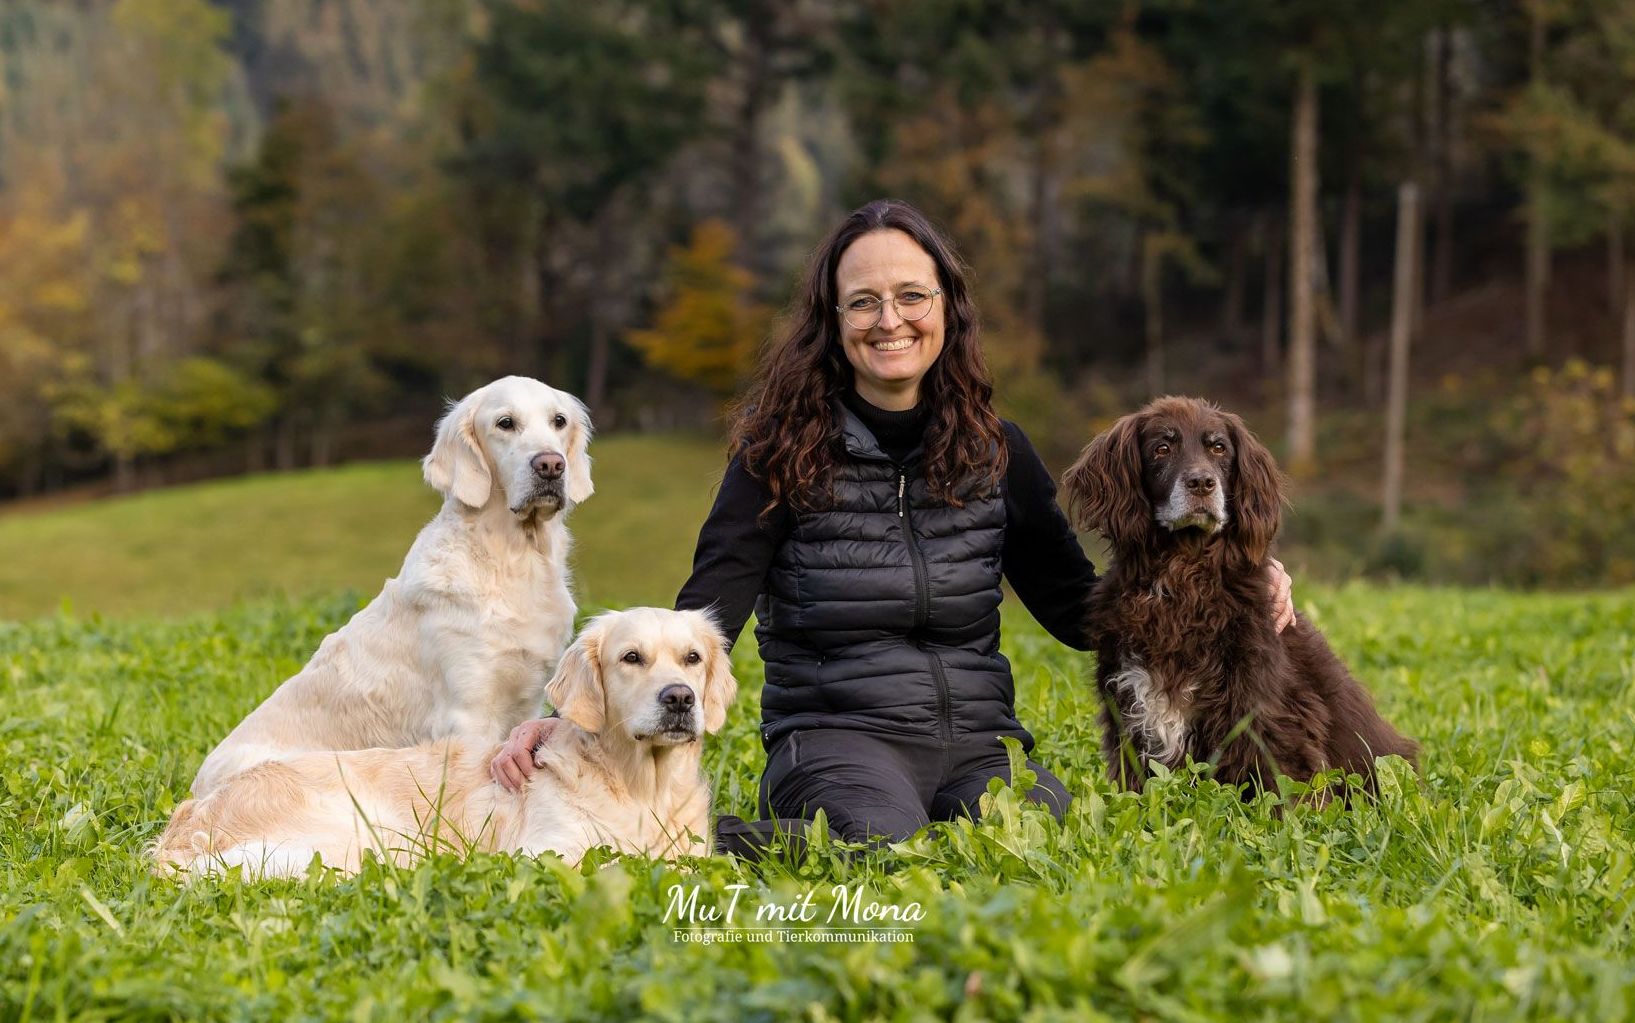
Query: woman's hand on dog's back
point(515, 761)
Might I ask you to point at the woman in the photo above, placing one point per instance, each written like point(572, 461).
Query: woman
point(871, 506)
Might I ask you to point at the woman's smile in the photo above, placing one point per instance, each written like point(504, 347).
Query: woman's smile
point(895, 344)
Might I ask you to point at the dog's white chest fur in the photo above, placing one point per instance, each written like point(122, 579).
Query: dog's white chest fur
point(1156, 723)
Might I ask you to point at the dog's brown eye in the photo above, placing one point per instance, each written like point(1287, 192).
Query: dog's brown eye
point(506, 423)
point(631, 657)
point(1162, 449)
point(693, 657)
point(1218, 448)
point(560, 421)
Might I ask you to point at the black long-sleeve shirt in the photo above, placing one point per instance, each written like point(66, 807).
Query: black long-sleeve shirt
point(1041, 557)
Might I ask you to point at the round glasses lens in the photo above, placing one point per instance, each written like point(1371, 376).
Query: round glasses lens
point(862, 314)
point(913, 305)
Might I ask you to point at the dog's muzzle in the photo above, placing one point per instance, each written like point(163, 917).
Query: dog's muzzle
point(548, 494)
point(547, 470)
point(1197, 502)
point(678, 716)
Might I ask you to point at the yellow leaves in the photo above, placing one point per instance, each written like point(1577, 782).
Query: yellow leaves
point(196, 402)
point(709, 329)
point(45, 293)
point(61, 296)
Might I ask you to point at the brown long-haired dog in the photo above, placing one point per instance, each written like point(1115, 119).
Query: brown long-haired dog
point(1189, 660)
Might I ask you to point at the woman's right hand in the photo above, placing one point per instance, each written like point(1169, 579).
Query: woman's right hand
point(515, 760)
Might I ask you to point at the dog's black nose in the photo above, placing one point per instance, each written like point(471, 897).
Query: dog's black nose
point(676, 699)
point(1201, 484)
point(548, 465)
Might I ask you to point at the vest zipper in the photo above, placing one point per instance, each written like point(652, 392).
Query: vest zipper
point(922, 607)
point(945, 718)
point(922, 589)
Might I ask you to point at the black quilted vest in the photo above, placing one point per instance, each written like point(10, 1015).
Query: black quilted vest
point(881, 612)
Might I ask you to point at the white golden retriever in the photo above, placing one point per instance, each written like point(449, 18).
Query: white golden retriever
point(462, 641)
point(637, 690)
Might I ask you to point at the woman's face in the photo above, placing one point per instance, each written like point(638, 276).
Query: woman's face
point(890, 358)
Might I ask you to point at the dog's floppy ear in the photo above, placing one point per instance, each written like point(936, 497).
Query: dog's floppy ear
point(1257, 492)
point(577, 690)
point(456, 466)
point(578, 483)
point(720, 688)
point(1105, 491)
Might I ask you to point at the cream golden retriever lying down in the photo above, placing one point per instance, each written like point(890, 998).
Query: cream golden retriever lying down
point(462, 641)
point(637, 690)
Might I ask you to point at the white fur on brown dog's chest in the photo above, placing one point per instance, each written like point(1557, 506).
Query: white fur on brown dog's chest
point(1153, 717)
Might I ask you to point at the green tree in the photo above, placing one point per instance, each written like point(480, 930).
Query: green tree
point(191, 404)
point(574, 109)
point(298, 265)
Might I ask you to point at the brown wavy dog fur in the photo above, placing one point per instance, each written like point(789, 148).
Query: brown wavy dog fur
point(1190, 663)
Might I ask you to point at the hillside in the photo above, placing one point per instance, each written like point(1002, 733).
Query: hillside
point(202, 546)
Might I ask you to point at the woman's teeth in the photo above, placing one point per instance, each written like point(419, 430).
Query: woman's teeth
point(893, 346)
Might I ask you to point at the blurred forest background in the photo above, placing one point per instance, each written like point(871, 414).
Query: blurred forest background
point(268, 234)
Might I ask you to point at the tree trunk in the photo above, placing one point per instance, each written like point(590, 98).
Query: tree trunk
point(547, 349)
point(754, 77)
point(1044, 199)
point(1302, 368)
point(124, 474)
point(31, 475)
point(1351, 274)
point(1538, 267)
point(1538, 232)
point(1373, 358)
point(1271, 306)
point(596, 374)
point(1033, 285)
point(1406, 288)
point(1442, 262)
point(284, 444)
point(1629, 340)
point(1615, 267)
point(1232, 303)
point(323, 442)
point(1322, 290)
point(1152, 287)
point(528, 343)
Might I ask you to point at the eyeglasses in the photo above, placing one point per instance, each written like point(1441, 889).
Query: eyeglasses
point(864, 311)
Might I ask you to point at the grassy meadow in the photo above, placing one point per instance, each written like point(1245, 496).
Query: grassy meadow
point(1498, 885)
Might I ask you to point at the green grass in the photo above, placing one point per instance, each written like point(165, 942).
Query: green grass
point(1497, 886)
point(201, 547)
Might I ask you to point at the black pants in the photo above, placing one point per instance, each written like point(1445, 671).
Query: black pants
point(875, 786)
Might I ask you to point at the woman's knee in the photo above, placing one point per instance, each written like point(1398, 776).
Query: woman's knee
point(963, 797)
point(858, 782)
point(1049, 791)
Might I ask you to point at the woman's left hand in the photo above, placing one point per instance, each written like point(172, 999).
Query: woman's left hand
point(1282, 595)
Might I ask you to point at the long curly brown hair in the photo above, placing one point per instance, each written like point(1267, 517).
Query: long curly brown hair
point(786, 430)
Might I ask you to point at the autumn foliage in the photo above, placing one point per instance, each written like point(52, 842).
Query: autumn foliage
point(708, 327)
